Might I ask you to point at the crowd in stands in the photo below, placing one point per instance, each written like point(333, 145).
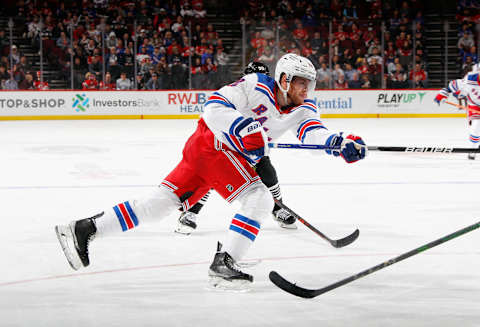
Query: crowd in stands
point(468, 16)
point(146, 44)
point(353, 56)
point(159, 44)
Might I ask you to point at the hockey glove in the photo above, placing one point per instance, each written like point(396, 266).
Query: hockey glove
point(252, 138)
point(441, 96)
point(351, 148)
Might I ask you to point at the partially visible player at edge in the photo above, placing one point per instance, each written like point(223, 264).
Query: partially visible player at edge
point(231, 137)
point(467, 89)
point(187, 222)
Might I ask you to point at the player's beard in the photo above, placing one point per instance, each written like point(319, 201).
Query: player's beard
point(295, 99)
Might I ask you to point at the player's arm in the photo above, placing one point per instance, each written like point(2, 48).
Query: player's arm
point(454, 87)
point(223, 116)
point(311, 130)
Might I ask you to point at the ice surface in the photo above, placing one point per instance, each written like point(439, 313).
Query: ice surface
point(54, 171)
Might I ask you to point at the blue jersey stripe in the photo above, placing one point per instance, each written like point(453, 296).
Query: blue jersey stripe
point(132, 214)
point(120, 218)
point(266, 93)
point(226, 104)
point(248, 220)
point(243, 232)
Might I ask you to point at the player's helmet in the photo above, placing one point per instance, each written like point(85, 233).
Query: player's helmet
point(256, 67)
point(294, 65)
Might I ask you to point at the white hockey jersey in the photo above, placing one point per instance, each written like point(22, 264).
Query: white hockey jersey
point(254, 96)
point(469, 88)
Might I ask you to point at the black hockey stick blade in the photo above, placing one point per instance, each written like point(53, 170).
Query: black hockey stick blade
point(291, 288)
point(335, 243)
point(309, 293)
point(340, 243)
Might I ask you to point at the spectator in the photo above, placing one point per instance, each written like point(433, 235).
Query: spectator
point(90, 82)
point(224, 75)
point(95, 66)
point(337, 71)
point(324, 76)
point(27, 83)
point(14, 55)
point(349, 72)
point(123, 83)
point(10, 84)
point(341, 83)
point(153, 83)
point(355, 83)
point(365, 82)
point(375, 74)
point(268, 58)
point(40, 84)
point(418, 77)
point(140, 82)
point(197, 74)
point(465, 42)
point(108, 84)
point(179, 74)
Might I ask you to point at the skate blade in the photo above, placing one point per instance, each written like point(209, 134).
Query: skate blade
point(290, 226)
point(237, 286)
point(65, 237)
point(249, 264)
point(184, 230)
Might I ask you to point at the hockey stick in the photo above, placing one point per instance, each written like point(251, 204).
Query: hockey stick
point(335, 243)
point(459, 106)
point(408, 149)
point(311, 293)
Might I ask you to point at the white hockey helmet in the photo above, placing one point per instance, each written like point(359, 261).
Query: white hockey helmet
point(294, 65)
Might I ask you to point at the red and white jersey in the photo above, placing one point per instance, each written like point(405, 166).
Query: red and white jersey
point(254, 96)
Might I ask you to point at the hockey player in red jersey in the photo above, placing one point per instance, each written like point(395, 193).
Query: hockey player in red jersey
point(231, 137)
point(187, 222)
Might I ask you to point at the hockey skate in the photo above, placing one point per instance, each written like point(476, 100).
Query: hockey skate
point(186, 223)
point(74, 239)
point(225, 274)
point(283, 218)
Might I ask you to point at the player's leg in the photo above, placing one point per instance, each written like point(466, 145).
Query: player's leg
point(237, 180)
point(474, 134)
point(268, 174)
point(75, 237)
point(180, 187)
point(256, 204)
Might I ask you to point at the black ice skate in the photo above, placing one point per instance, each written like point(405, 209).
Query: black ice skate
point(74, 239)
point(284, 218)
point(224, 273)
point(186, 223)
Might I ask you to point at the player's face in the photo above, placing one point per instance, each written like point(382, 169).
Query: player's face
point(298, 91)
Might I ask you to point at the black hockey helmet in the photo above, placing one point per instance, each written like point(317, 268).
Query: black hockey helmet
point(256, 67)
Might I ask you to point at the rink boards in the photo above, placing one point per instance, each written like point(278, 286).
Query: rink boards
point(184, 104)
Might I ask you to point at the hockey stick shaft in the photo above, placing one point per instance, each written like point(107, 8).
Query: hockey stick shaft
point(407, 149)
point(459, 106)
point(296, 290)
point(335, 243)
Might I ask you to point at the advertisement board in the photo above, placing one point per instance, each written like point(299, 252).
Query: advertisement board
point(184, 104)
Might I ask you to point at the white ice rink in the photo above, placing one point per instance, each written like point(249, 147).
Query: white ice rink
point(54, 171)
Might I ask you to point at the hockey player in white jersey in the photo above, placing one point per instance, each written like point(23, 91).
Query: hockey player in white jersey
point(467, 88)
point(232, 135)
point(187, 222)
